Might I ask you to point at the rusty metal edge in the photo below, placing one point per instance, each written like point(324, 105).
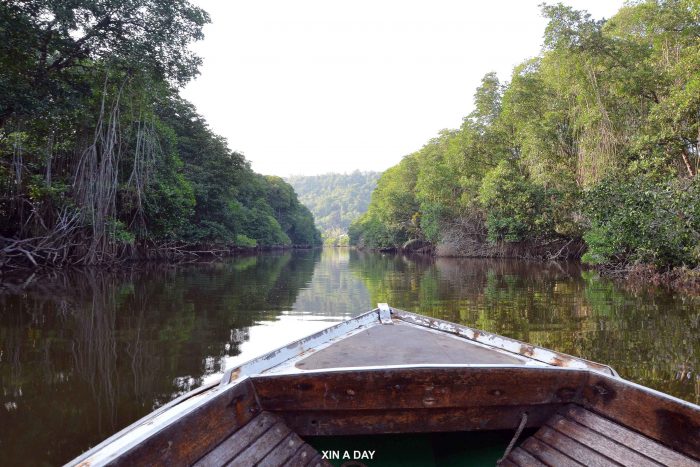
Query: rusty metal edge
point(230, 379)
point(301, 346)
point(423, 366)
point(540, 354)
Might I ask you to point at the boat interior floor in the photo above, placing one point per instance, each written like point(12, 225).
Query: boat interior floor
point(573, 436)
point(264, 441)
point(404, 344)
point(576, 436)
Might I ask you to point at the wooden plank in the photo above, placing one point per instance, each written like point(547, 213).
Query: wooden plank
point(318, 461)
point(415, 388)
point(507, 463)
point(670, 421)
point(283, 451)
point(626, 437)
point(255, 452)
point(573, 449)
point(349, 422)
point(238, 441)
point(302, 457)
point(548, 454)
point(193, 435)
point(524, 459)
point(599, 443)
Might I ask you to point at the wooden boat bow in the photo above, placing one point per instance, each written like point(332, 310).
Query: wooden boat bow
point(392, 371)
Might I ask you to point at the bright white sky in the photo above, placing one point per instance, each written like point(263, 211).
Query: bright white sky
point(312, 86)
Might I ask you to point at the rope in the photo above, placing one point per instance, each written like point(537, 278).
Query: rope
point(518, 432)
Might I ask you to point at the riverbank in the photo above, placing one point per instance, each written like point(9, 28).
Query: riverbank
point(681, 279)
point(465, 246)
point(28, 254)
point(686, 279)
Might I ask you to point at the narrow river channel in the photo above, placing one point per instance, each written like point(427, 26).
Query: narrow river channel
point(85, 353)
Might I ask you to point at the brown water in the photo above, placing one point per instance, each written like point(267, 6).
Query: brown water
point(85, 353)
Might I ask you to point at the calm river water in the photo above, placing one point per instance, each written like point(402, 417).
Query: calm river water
point(85, 353)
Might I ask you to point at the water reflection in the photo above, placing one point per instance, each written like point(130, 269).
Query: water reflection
point(84, 353)
point(648, 336)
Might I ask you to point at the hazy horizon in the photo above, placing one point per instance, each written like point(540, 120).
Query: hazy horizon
point(330, 172)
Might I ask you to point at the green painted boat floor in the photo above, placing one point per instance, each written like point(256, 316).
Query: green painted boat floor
point(482, 448)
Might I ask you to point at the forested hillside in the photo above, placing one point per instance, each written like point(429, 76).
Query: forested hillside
point(592, 146)
point(335, 200)
point(101, 159)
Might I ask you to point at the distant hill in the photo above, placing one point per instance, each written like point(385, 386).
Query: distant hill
point(335, 200)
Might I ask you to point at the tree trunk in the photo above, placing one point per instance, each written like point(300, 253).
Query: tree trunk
point(688, 165)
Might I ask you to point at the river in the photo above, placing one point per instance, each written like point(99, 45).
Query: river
point(85, 353)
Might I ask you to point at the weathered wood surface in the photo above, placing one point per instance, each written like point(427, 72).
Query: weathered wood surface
point(647, 427)
point(318, 461)
point(405, 399)
point(604, 445)
point(577, 451)
point(508, 463)
point(353, 422)
point(673, 423)
point(521, 457)
point(283, 451)
point(238, 441)
point(626, 437)
point(577, 436)
point(302, 457)
point(261, 446)
point(194, 434)
point(263, 441)
point(548, 454)
point(417, 388)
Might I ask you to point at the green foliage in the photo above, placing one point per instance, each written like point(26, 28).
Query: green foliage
point(335, 200)
point(295, 219)
point(260, 224)
point(49, 49)
point(516, 208)
point(368, 231)
point(595, 138)
point(644, 220)
point(390, 220)
point(170, 202)
point(119, 233)
point(77, 75)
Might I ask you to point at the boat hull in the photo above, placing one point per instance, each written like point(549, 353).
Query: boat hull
point(494, 383)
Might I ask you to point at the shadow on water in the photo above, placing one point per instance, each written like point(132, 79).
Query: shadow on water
point(86, 352)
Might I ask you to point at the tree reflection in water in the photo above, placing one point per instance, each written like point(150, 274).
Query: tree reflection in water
point(649, 336)
point(84, 353)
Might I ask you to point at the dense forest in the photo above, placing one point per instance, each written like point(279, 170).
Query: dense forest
point(101, 159)
point(335, 200)
point(591, 148)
